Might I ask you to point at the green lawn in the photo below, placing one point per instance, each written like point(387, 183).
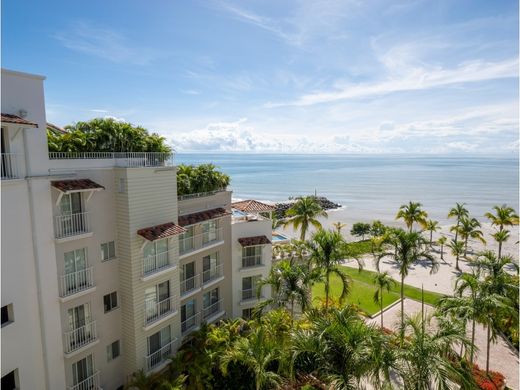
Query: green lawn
point(359, 248)
point(363, 289)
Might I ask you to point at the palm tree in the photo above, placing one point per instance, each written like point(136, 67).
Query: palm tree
point(409, 248)
point(412, 212)
point(257, 353)
point(338, 226)
point(327, 249)
point(442, 241)
point(504, 216)
point(459, 212)
point(383, 281)
point(468, 228)
point(432, 226)
point(457, 248)
point(501, 236)
point(426, 353)
point(304, 213)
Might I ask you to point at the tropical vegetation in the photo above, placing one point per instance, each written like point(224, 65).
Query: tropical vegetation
point(194, 179)
point(304, 213)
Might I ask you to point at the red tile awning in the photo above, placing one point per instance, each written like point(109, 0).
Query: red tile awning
point(191, 219)
point(253, 241)
point(253, 206)
point(160, 231)
point(76, 185)
point(10, 118)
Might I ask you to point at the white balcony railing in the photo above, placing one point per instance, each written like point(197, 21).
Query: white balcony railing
point(91, 383)
point(251, 261)
point(9, 166)
point(76, 281)
point(120, 159)
point(79, 337)
point(212, 309)
point(69, 225)
point(157, 262)
point(154, 311)
point(190, 323)
point(190, 284)
point(249, 294)
point(200, 194)
point(159, 356)
point(212, 274)
point(198, 241)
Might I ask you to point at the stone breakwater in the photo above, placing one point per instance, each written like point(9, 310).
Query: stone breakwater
point(326, 204)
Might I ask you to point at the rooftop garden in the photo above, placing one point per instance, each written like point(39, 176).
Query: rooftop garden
point(194, 179)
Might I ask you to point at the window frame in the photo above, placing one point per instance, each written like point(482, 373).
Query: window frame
point(110, 350)
point(10, 314)
point(108, 251)
point(110, 298)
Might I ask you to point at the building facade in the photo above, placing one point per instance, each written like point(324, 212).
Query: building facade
point(105, 271)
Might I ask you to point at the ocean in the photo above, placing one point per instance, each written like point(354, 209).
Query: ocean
point(373, 187)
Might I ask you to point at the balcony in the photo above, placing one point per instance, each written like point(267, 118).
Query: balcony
point(70, 225)
point(157, 263)
point(80, 337)
point(252, 261)
point(155, 311)
point(9, 166)
point(199, 241)
point(249, 295)
point(212, 310)
point(190, 324)
point(91, 383)
point(156, 358)
point(120, 159)
point(190, 284)
point(76, 282)
point(212, 274)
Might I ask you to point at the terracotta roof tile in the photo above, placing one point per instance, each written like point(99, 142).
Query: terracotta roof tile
point(252, 205)
point(191, 219)
point(252, 241)
point(10, 118)
point(56, 129)
point(161, 231)
point(76, 185)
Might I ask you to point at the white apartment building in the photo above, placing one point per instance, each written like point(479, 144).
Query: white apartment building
point(104, 269)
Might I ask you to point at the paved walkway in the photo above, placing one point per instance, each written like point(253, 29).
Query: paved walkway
point(502, 358)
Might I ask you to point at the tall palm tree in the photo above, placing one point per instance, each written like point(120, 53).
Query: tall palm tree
point(383, 281)
point(409, 248)
point(501, 236)
point(469, 228)
point(258, 353)
point(432, 226)
point(457, 249)
point(504, 216)
point(338, 226)
point(459, 212)
point(442, 241)
point(327, 249)
point(411, 213)
point(425, 355)
point(304, 213)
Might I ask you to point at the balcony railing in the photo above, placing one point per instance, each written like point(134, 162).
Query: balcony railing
point(199, 241)
point(9, 166)
point(251, 261)
point(190, 323)
point(91, 383)
point(76, 282)
point(212, 274)
point(120, 159)
point(249, 294)
point(200, 194)
point(212, 309)
point(159, 356)
point(69, 225)
point(157, 262)
point(154, 311)
point(80, 337)
point(190, 284)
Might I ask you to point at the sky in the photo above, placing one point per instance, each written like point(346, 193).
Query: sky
point(304, 76)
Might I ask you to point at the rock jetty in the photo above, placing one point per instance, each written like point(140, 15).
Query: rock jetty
point(325, 204)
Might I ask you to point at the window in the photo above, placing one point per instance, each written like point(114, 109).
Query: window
point(7, 314)
point(155, 255)
point(210, 301)
point(249, 286)
point(210, 267)
point(10, 381)
point(188, 315)
point(156, 301)
point(251, 256)
point(108, 251)
point(110, 301)
point(159, 346)
point(187, 276)
point(186, 240)
point(113, 350)
point(247, 314)
point(209, 231)
point(82, 370)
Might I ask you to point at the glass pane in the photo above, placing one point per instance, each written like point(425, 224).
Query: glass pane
point(164, 290)
point(104, 252)
point(81, 261)
point(76, 202)
point(65, 206)
point(154, 343)
point(149, 249)
point(246, 283)
point(70, 263)
point(165, 336)
point(111, 249)
point(162, 246)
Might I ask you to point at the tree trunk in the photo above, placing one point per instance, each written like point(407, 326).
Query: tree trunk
point(402, 309)
point(382, 309)
point(488, 345)
point(457, 230)
point(431, 237)
point(472, 349)
point(457, 262)
point(442, 252)
point(499, 250)
point(466, 247)
point(292, 311)
point(327, 291)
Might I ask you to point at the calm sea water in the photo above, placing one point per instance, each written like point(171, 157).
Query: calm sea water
point(372, 186)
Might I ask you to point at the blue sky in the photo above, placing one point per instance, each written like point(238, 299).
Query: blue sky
point(310, 76)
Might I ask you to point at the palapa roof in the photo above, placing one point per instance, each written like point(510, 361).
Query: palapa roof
point(76, 185)
point(165, 230)
point(10, 118)
point(252, 206)
point(191, 219)
point(253, 241)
